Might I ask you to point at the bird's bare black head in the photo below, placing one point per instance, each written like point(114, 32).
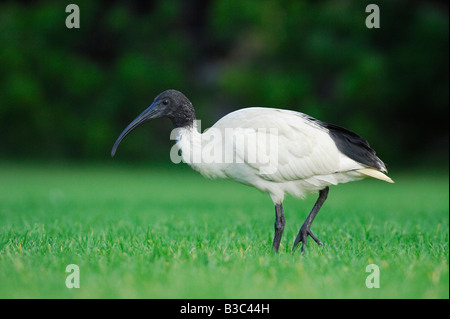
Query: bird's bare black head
point(177, 107)
point(172, 104)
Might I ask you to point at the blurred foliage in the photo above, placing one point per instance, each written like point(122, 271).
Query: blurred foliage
point(68, 93)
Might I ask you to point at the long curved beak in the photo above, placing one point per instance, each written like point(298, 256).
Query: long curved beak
point(150, 113)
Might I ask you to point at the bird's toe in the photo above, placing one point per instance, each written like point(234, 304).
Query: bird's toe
point(315, 238)
point(303, 238)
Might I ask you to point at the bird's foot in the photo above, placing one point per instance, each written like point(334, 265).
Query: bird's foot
point(302, 236)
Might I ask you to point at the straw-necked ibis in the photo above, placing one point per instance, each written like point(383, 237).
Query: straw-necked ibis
point(310, 154)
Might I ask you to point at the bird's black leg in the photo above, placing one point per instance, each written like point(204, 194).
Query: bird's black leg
point(279, 226)
point(305, 230)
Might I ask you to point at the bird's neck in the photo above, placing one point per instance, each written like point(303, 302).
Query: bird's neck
point(183, 116)
point(189, 141)
point(192, 143)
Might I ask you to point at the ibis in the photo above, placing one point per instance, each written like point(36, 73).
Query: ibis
point(308, 155)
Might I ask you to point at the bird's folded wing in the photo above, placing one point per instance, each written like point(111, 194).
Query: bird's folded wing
point(289, 145)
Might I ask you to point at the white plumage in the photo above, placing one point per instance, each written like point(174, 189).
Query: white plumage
point(308, 159)
point(307, 156)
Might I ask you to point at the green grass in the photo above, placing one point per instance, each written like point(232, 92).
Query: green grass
point(166, 232)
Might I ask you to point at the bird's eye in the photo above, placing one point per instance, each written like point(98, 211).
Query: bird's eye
point(165, 102)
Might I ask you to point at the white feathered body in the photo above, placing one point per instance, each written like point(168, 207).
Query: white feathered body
point(307, 158)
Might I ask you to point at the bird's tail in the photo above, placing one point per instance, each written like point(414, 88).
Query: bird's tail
point(375, 174)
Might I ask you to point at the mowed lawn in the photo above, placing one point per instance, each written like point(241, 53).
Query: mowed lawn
point(166, 232)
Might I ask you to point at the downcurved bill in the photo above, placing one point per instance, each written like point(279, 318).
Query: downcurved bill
point(150, 113)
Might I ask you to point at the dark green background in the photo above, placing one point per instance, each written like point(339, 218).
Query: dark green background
point(66, 94)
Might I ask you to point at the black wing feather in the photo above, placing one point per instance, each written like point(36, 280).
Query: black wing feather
point(354, 146)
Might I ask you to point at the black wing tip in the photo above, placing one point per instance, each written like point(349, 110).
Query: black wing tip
point(355, 146)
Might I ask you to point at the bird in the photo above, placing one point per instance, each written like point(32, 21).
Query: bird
point(309, 155)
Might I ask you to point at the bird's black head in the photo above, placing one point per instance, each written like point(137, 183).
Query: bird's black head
point(176, 106)
point(172, 104)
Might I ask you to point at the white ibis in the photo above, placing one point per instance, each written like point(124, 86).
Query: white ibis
point(310, 154)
